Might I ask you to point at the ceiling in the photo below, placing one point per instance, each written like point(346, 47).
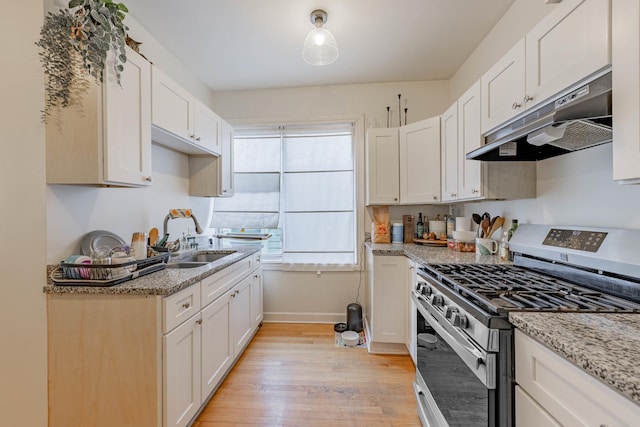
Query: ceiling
point(257, 44)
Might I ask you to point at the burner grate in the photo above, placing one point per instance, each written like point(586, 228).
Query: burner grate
point(503, 288)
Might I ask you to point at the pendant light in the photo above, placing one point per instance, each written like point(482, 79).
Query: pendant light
point(320, 47)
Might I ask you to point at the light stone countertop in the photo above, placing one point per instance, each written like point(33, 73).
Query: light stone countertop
point(605, 345)
point(163, 282)
point(433, 254)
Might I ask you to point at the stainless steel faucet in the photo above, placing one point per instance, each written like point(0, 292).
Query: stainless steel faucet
point(170, 216)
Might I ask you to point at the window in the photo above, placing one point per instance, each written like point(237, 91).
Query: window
point(297, 183)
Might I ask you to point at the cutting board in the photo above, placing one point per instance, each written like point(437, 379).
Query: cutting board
point(430, 242)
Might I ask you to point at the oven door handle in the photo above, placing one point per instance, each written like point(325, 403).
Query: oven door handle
point(471, 356)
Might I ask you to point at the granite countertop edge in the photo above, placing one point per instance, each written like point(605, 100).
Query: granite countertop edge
point(602, 344)
point(432, 254)
point(164, 282)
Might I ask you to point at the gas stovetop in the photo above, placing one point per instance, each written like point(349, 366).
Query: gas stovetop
point(556, 268)
point(499, 289)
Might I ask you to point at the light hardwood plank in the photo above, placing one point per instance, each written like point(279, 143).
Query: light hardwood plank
point(294, 375)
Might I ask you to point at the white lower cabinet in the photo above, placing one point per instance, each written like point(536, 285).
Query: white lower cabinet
point(181, 354)
point(551, 391)
point(158, 359)
point(217, 342)
point(412, 325)
point(386, 311)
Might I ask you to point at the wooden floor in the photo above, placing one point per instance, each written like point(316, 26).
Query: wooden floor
point(294, 375)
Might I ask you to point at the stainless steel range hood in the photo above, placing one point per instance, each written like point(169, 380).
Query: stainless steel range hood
point(577, 118)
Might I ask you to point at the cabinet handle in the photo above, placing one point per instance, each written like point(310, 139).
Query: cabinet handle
point(236, 292)
point(527, 98)
point(197, 138)
point(186, 305)
point(199, 321)
point(474, 191)
point(435, 197)
point(395, 199)
point(515, 105)
point(192, 135)
point(147, 179)
point(256, 276)
point(224, 191)
point(453, 195)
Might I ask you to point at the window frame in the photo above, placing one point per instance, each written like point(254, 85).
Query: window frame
point(357, 124)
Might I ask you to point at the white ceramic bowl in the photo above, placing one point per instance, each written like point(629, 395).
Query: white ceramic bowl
point(350, 338)
point(464, 236)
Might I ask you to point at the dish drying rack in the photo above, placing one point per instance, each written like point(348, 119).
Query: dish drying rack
point(104, 275)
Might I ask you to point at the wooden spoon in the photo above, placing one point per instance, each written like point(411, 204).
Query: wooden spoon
point(153, 236)
point(499, 221)
point(484, 225)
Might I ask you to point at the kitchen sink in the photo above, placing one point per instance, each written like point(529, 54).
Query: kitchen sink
point(198, 260)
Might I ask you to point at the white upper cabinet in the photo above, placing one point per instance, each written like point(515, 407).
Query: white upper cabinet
point(503, 88)
point(450, 154)
point(626, 87)
point(104, 138)
point(403, 164)
point(213, 176)
point(383, 166)
point(181, 121)
point(463, 179)
point(420, 162)
point(570, 43)
point(469, 138)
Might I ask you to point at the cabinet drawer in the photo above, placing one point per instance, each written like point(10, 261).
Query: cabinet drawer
point(180, 306)
point(217, 284)
point(570, 395)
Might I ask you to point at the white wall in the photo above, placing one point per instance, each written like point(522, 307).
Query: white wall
point(305, 296)
point(23, 349)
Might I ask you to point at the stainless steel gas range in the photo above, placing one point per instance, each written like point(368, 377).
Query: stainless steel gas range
point(464, 361)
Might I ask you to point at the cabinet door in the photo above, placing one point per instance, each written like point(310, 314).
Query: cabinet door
point(127, 126)
point(383, 173)
point(226, 161)
point(626, 86)
point(241, 320)
point(389, 299)
point(570, 43)
point(207, 127)
point(256, 299)
point(420, 161)
point(503, 88)
point(529, 413)
point(449, 149)
point(570, 395)
point(469, 138)
point(217, 343)
point(172, 108)
point(412, 327)
point(181, 362)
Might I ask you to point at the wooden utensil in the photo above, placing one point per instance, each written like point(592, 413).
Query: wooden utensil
point(484, 225)
point(499, 221)
point(153, 236)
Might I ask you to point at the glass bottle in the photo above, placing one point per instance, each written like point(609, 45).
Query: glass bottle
point(514, 227)
point(420, 226)
point(504, 246)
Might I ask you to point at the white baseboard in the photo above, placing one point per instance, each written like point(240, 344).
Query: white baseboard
point(304, 317)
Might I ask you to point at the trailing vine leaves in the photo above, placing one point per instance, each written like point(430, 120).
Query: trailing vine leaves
point(57, 59)
point(94, 29)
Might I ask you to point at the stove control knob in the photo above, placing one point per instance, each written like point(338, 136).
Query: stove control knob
point(437, 300)
point(460, 320)
point(450, 311)
point(424, 289)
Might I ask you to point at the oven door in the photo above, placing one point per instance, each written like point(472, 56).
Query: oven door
point(455, 380)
